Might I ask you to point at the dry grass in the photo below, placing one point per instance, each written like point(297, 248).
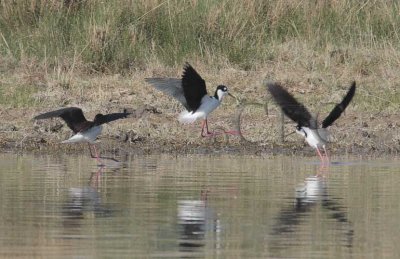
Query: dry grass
point(370, 113)
point(95, 56)
point(111, 36)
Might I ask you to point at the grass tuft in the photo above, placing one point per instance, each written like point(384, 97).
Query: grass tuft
point(123, 35)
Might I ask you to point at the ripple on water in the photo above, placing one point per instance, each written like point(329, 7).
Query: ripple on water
point(198, 206)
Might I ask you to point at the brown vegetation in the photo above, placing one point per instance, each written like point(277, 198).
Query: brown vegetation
point(99, 55)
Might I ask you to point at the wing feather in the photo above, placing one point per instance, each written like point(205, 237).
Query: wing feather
point(73, 116)
point(290, 106)
point(170, 86)
point(339, 108)
point(194, 87)
point(110, 117)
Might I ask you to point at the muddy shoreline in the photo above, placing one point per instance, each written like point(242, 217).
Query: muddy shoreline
point(218, 146)
point(155, 133)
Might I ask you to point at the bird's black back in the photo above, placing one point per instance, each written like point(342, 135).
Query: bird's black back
point(290, 106)
point(194, 87)
point(101, 119)
point(337, 111)
point(73, 116)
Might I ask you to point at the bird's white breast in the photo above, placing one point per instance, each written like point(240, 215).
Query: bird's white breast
point(313, 137)
point(89, 135)
point(208, 104)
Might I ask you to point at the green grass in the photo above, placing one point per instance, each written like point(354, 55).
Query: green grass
point(314, 44)
point(119, 35)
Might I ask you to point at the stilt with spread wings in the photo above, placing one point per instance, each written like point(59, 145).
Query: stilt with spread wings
point(191, 92)
point(85, 131)
point(307, 125)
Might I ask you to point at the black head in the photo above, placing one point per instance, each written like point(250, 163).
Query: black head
point(220, 92)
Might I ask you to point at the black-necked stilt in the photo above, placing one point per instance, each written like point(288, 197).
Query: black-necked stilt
point(307, 125)
point(192, 93)
point(85, 131)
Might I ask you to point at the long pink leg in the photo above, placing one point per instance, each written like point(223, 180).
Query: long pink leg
point(320, 155)
point(97, 154)
point(208, 132)
point(91, 152)
point(232, 132)
point(326, 155)
point(205, 125)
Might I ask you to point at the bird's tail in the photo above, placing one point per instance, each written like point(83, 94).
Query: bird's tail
point(324, 134)
point(186, 117)
point(73, 139)
point(78, 138)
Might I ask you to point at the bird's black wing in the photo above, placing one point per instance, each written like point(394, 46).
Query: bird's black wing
point(170, 86)
point(110, 117)
point(194, 87)
point(337, 111)
point(290, 106)
point(73, 116)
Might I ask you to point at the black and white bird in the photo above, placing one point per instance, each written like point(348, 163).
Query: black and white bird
point(85, 131)
point(307, 125)
point(191, 92)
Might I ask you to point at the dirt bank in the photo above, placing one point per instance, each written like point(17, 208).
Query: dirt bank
point(261, 135)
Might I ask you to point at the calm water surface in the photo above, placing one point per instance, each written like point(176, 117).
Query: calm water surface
point(198, 206)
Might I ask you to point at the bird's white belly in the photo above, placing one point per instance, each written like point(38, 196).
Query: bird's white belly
point(208, 104)
point(313, 138)
point(86, 136)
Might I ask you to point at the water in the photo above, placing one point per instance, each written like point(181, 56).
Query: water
point(196, 207)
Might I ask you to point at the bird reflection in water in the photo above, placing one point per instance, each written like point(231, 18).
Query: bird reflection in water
point(196, 220)
point(311, 195)
point(84, 203)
